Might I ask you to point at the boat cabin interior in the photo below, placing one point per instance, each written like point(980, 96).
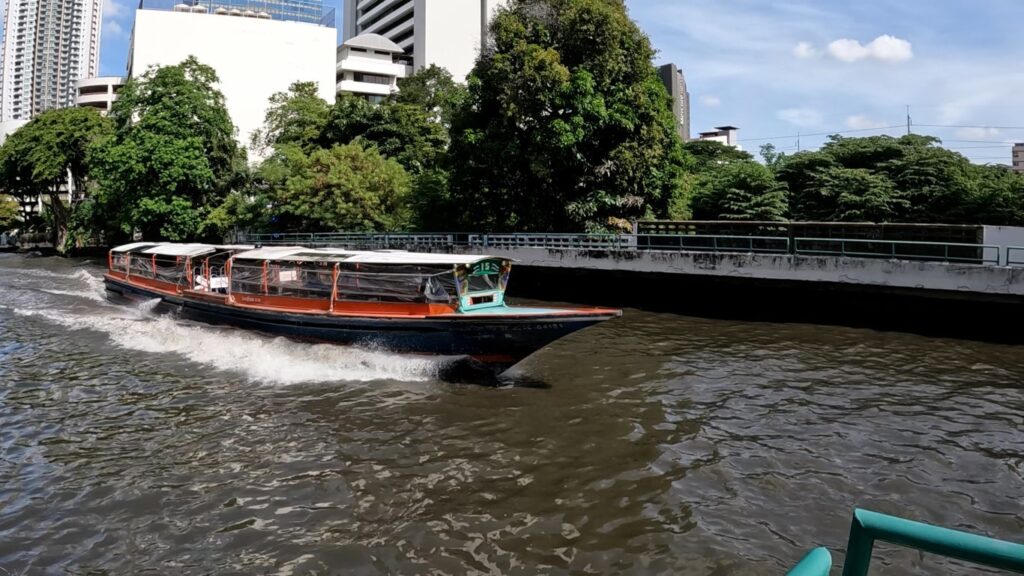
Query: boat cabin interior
point(306, 280)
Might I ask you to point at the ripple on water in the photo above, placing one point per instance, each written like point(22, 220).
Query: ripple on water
point(132, 442)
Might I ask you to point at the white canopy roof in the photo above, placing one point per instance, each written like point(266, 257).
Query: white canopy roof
point(294, 253)
point(415, 258)
point(169, 249)
point(181, 249)
point(134, 246)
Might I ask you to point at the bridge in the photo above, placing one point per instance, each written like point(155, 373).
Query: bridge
point(959, 270)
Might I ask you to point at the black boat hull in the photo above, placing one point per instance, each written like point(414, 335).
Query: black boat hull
point(495, 341)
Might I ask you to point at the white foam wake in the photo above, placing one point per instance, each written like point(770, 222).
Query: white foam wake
point(270, 360)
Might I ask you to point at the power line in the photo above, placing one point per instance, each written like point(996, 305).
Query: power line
point(971, 126)
point(852, 131)
point(892, 127)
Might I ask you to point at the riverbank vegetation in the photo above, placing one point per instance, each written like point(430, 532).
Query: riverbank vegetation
point(563, 125)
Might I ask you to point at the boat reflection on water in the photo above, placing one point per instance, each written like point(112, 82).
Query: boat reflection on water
point(438, 304)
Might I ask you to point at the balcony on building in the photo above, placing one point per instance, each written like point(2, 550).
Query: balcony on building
point(369, 66)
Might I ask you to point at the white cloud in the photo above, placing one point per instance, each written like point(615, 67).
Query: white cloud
point(113, 9)
point(885, 48)
point(805, 50)
point(800, 116)
point(111, 29)
point(977, 133)
point(711, 101)
point(862, 122)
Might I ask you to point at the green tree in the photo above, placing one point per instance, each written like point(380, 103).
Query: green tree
point(740, 191)
point(566, 124)
point(173, 155)
point(10, 213)
point(802, 173)
point(861, 196)
point(708, 155)
point(404, 132)
point(432, 89)
point(298, 116)
point(345, 187)
point(46, 155)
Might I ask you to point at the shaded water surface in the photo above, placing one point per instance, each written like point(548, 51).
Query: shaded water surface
point(134, 443)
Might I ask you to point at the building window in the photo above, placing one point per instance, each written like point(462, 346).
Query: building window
point(375, 98)
point(371, 78)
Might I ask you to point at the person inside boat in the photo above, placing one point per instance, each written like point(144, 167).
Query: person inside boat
point(434, 291)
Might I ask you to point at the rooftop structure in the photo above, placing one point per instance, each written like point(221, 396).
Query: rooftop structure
point(47, 46)
point(724, 134)
point(308, 11)
point(369, 66)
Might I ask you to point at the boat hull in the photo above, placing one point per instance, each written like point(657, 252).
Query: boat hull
point(496, 342)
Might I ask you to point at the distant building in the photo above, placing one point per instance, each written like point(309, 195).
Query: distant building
point(369, 66)
point(1018, 157)
point(446, 33)
point(99, 92)
point(724, 134)
point(674, 81)
point(255, 53)
point(47, 46)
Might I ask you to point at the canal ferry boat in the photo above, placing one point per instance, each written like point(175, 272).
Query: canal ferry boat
point(442, 304)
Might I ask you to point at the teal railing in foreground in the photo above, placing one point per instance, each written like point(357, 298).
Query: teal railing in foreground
point(867, 527)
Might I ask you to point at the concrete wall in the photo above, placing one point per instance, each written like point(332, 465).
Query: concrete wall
point(254, 58)
point(1005, 236)
point(449, 33)
point(969, 280)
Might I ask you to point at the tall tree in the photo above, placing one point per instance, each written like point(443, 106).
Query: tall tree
point(566, 125)
point(345, 187)
point(404, 132)
point(47, 156)
point(708, 155)
point(173, 155)
point(740, 191)
point(297, 116)
point(433, 89)
point(9, 213)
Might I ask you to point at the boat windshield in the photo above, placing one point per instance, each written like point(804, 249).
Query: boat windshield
point(486, 276)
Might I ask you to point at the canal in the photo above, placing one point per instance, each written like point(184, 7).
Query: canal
point(134, 443)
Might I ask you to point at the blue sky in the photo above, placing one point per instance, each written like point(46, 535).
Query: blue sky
point(777, 68)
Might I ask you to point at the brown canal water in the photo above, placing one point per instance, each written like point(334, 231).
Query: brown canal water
point(133, 443)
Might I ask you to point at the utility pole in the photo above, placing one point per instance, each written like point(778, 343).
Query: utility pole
point(797, 141)
point(908, 120)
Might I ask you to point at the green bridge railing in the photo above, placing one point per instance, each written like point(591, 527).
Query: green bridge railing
point(867, 527)
point(950, 252)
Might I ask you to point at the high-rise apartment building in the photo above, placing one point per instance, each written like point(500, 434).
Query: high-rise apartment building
point(48, 46)
point(674, 81)
point(446, 33)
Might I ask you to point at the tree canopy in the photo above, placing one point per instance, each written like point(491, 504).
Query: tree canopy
point(9, 213)
point(345, 187)
point(566, 123)
point(49, 156)
point(173, 154)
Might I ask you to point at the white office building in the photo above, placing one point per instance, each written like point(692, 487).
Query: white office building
point(447, 33)
point(255, 53)
point(369, 66)
point(48, 45)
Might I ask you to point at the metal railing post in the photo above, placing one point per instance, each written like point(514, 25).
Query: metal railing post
point(817, 562)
